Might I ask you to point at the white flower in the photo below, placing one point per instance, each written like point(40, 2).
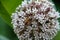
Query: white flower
point(35, 20)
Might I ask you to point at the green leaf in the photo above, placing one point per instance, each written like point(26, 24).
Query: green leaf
point(7, 7)
point(4, 14)
point(10, 5)
point(3, 38)
point(6, 31)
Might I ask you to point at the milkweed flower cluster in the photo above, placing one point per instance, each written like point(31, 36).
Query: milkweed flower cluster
point(35, 20)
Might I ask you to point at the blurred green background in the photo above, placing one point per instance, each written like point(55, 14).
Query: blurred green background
point(6, 9)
